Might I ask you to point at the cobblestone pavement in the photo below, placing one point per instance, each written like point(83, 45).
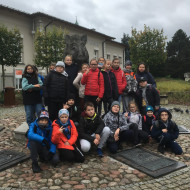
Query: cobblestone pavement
point(95, 172)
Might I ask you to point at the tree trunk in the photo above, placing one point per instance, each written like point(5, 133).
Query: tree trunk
point(3, 76)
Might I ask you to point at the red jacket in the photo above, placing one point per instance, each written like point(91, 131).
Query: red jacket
point(58, 138)
point(121, 80)
point(94, 82)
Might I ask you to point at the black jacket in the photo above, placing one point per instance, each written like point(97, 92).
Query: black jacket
point(146, 75)
point(172, 128)
point(32, 96)
point(152, 97)
point(74, 113)
point(147, 122)
point(55, 87)
point(88, 126)
point(110, 86)
point(72, 71)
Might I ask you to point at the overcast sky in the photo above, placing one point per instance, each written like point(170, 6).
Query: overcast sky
point(114, 17)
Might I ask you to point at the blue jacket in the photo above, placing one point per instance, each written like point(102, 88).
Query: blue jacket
point(35, 133)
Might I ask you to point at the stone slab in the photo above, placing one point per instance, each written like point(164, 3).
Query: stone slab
point(21, 131)
point(9, 158)
point(148, 162)
point(183, 130)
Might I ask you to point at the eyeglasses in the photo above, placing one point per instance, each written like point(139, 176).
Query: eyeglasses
point(93, 64)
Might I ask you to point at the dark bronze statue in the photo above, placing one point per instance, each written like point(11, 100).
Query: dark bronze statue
point(75, 46)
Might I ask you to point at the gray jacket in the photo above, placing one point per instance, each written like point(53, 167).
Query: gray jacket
point(111, 121)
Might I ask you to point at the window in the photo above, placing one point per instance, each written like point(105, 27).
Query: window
point(108, 56)
point(96, 54)
point(114, 56)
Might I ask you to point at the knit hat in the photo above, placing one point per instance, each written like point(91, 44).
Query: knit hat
point(63, 111)
point(71, 96)
point(142, 79)
point(43, 114)
point(60, 64)
point(115, 103)
point(128, 62)
point(149, 108)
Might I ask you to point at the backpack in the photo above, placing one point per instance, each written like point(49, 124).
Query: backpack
point(131, 83)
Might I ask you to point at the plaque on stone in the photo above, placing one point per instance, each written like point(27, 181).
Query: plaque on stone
point(183, 130)
point(9, 158)
point(148, 162)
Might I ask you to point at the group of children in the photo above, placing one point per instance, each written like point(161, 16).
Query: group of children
point(72, 126)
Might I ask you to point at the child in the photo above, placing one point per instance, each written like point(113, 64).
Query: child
point(147, 95)
point(79, 86)
point(120, 77)
point(148, 120)
point(92, 130)
point(65, 135)
point(55, 89)
point(72, 70)
point(165, 131)
point(32, 100)
point(119, 127)
point(131, 88)
point(135, 123)
point(101, 62)
point(110, 86)
point(39, 136)
point(72, 108)
point(94, 81)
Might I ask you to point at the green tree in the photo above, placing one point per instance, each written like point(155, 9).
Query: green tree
point(178, 51)
point(147, 46)
point(10, 48)
point(49, 46)
point(125, 41)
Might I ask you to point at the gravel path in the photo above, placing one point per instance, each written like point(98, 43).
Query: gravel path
point(95, 172)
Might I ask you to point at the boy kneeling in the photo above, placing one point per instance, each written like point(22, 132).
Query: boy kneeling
point(39, 136)
point(165, 131)
point(92, 130)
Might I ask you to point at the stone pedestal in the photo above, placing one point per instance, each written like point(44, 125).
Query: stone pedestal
point(21, 131)
point(163, 99)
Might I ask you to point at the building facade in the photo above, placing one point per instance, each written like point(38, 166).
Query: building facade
point(98, 44)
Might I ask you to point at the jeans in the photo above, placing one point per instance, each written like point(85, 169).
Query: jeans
point(32, 111)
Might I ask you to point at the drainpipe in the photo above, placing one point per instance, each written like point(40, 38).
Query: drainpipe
point(103, 49)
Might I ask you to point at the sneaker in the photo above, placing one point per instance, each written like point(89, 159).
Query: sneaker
point(36, 168)
point(161, 149)
point(100, 153)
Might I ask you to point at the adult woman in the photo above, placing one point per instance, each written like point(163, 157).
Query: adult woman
point(141, 72)
point(32, 100)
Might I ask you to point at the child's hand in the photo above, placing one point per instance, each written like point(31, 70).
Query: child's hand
point(96, 141)
point(164, 130)
point(116, 135)
point(97, 137)
point(87, 70)
point(98, 99)
point(61, 129)
point(66, 143)
point(126, 114)
point(65, 106)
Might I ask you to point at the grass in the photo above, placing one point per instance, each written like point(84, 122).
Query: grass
point(172, 85)
point(178, 90)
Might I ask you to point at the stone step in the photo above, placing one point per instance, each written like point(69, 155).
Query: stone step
point(21, 131)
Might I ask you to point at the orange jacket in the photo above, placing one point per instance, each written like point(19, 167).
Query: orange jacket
point(132, 74)
point(59, 139)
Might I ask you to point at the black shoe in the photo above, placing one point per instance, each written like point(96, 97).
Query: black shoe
point(161, 149)
point(36, 168)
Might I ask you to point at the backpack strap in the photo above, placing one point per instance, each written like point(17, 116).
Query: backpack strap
point(144, 118)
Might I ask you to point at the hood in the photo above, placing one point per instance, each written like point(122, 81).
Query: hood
point(164, 110)
point(63, 73)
